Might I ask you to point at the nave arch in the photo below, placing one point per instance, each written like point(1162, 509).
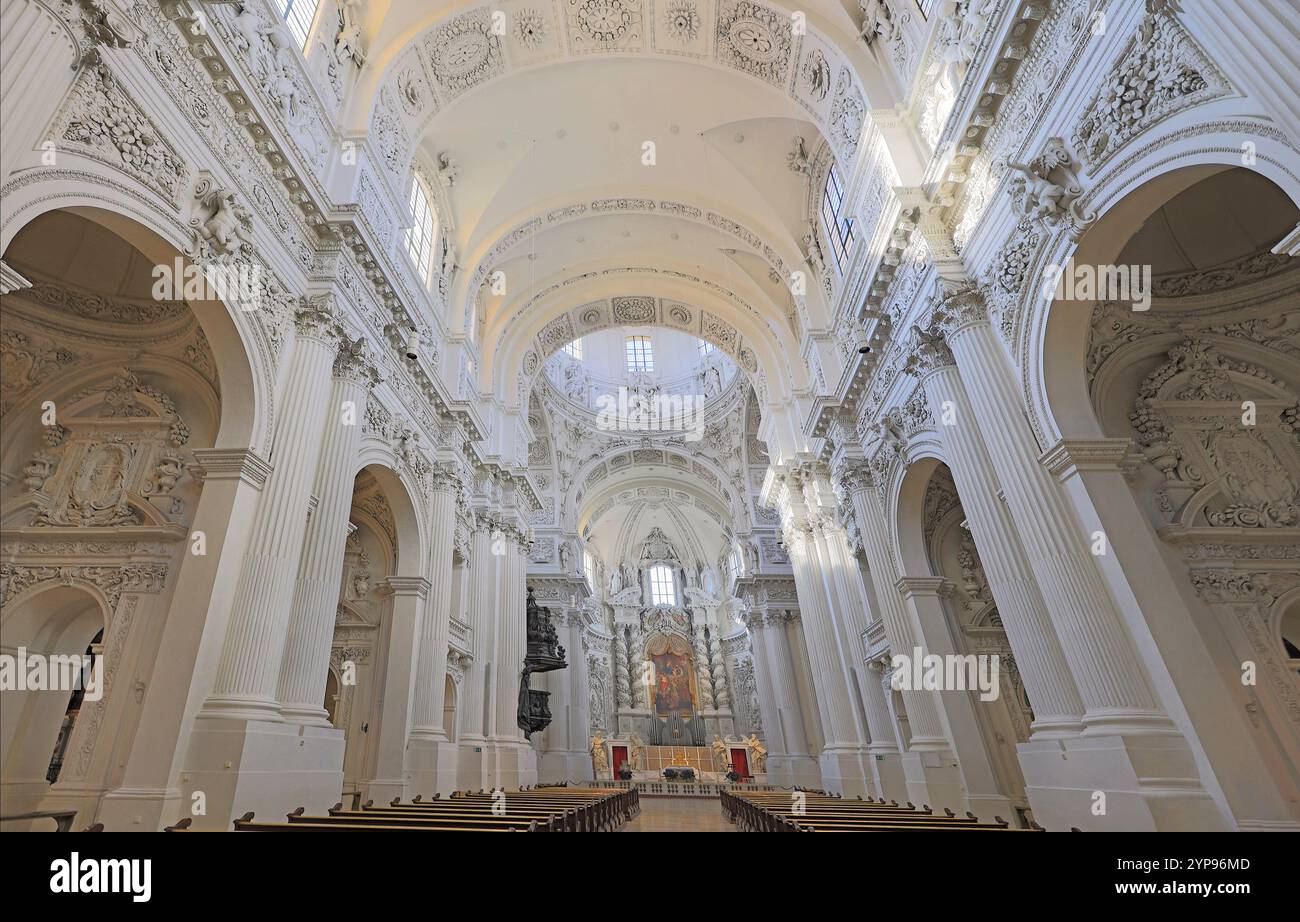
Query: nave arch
point(1210, 595)
point(117, 405)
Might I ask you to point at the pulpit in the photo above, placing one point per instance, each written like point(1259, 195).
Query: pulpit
point(543, 654)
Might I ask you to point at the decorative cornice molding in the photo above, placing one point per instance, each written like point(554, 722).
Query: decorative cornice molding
point(229, 463)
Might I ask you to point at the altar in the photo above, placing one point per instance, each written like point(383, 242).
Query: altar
point(699, 758)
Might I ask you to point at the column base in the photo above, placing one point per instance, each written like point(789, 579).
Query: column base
point(473, 764)
point(561, 765)
point(1150, 784)
point(934, 778)
point(844, 773)
point(431, 767)
point(308, 716)
point(147, 809)
point(891, 781)
point(270, 768)
point(513, 765)
point(381, 791)
point(793, 770)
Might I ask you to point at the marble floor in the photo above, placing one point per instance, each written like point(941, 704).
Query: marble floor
point(679, 814)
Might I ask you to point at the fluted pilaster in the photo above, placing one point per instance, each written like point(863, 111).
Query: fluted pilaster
point(430, 686)
point(482, 573)
point(305, 663)
point(922, 710)
point(512, 634)
point(248, 671)
point(1111, 680)
point(1051, 690)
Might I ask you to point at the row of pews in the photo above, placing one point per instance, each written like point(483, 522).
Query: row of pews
point(551, 809)
point(813, 811)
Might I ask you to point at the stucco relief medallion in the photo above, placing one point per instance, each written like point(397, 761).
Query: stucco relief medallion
point(683, 21)
point(607, 21)
point(99, 489)
point(754, 40)
point(464, 53)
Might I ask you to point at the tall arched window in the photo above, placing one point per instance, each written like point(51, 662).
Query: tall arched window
point(298, 16)
point(419, 236)
point(662, 590)
point(839, 227)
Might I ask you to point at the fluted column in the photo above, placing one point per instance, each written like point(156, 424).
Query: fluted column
point(248, 671)
point(884, 738)
point(852, 609)
point(1052, 693)
point(765, 683)
point(512, 634)
point(922, 710)
point(1111, 679)
point(482, 586)
point(430, 683)
point(819, 631)
point(409, 600)
point(305, 665)
point(802, 498)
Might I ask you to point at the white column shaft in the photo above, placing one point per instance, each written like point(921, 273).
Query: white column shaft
point(430, 685)
point(304, 669)
point(922, 710)
point(248, 673)
point(1051, 690)
point(1112, 681)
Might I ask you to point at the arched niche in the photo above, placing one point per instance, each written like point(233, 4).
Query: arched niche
point(41, 226)
point(1053, 346)
point(51, 619)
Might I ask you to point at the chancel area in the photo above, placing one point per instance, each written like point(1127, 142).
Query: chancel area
point(595, 415)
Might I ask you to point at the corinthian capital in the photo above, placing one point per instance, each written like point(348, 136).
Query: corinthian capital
point(959, 308)
point(353, 362)
point(316, 317)
point(444, 478)
point(927, 352)
point(854, 476)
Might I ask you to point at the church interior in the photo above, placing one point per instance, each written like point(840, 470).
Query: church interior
point(650, 415)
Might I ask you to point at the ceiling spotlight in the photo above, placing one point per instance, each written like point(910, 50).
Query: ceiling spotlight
point(861, 341)
point(413, 344)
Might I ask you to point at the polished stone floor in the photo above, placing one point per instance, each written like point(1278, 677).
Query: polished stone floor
point(679, 814)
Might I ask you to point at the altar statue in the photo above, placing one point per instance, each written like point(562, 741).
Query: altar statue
point(599, 752)
point(722, 754)
point(757, 754)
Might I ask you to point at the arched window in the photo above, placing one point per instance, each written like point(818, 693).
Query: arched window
point(298, 16)
point(419, 236)
point(839, 227)
point(662, 590)
point(640, 357)
point(589, 569)
point(574, 349)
